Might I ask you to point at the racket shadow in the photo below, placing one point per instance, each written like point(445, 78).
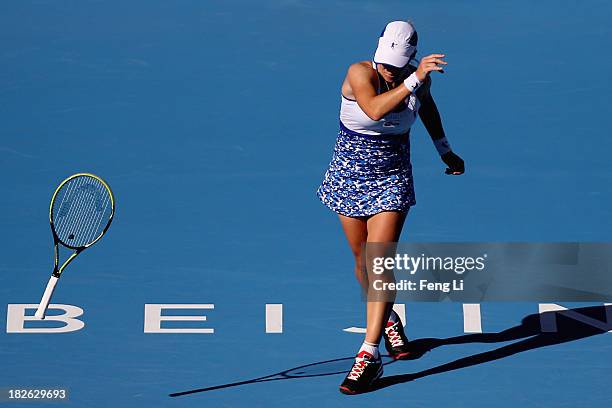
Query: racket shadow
point(568, 329)
point(318, 369)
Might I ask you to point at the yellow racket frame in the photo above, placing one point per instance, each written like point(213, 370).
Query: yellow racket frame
point(58, 271)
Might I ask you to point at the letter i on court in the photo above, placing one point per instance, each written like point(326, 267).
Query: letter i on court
point(458, 284)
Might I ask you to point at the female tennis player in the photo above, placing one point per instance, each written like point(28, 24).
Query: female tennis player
point(369, 179)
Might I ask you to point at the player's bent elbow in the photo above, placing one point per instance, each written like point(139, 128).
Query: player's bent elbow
point(374, 114)
point(371, 111)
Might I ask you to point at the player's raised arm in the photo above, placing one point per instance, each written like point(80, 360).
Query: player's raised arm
point(363, 81)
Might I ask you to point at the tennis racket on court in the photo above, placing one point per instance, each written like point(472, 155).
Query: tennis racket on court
point(80, 213)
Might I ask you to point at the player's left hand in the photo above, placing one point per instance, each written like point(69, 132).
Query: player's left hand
point(455, 163)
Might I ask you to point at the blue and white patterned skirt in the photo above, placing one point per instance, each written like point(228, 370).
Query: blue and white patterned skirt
point(368, 174)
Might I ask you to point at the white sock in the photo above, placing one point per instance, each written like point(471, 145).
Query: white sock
point(370, 348)
point(393, 317)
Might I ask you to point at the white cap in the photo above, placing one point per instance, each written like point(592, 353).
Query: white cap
point(397, 44)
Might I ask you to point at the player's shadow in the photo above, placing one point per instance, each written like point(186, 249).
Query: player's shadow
point(568, 328)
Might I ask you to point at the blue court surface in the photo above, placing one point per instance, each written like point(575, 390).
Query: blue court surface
point(214, 122)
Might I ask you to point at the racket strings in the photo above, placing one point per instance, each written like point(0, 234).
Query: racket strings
point(64, 208)
point(86, 209)
point(80, 213)
point(67, 211)
point(73, 215)
point(91, 230)
point(82, 223)
point(90, 213)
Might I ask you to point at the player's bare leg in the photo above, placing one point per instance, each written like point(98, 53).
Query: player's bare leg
point(382, 227)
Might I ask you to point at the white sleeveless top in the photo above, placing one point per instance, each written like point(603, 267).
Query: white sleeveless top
point(393, 123)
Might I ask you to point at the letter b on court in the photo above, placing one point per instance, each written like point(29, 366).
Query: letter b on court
point(16, 318)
